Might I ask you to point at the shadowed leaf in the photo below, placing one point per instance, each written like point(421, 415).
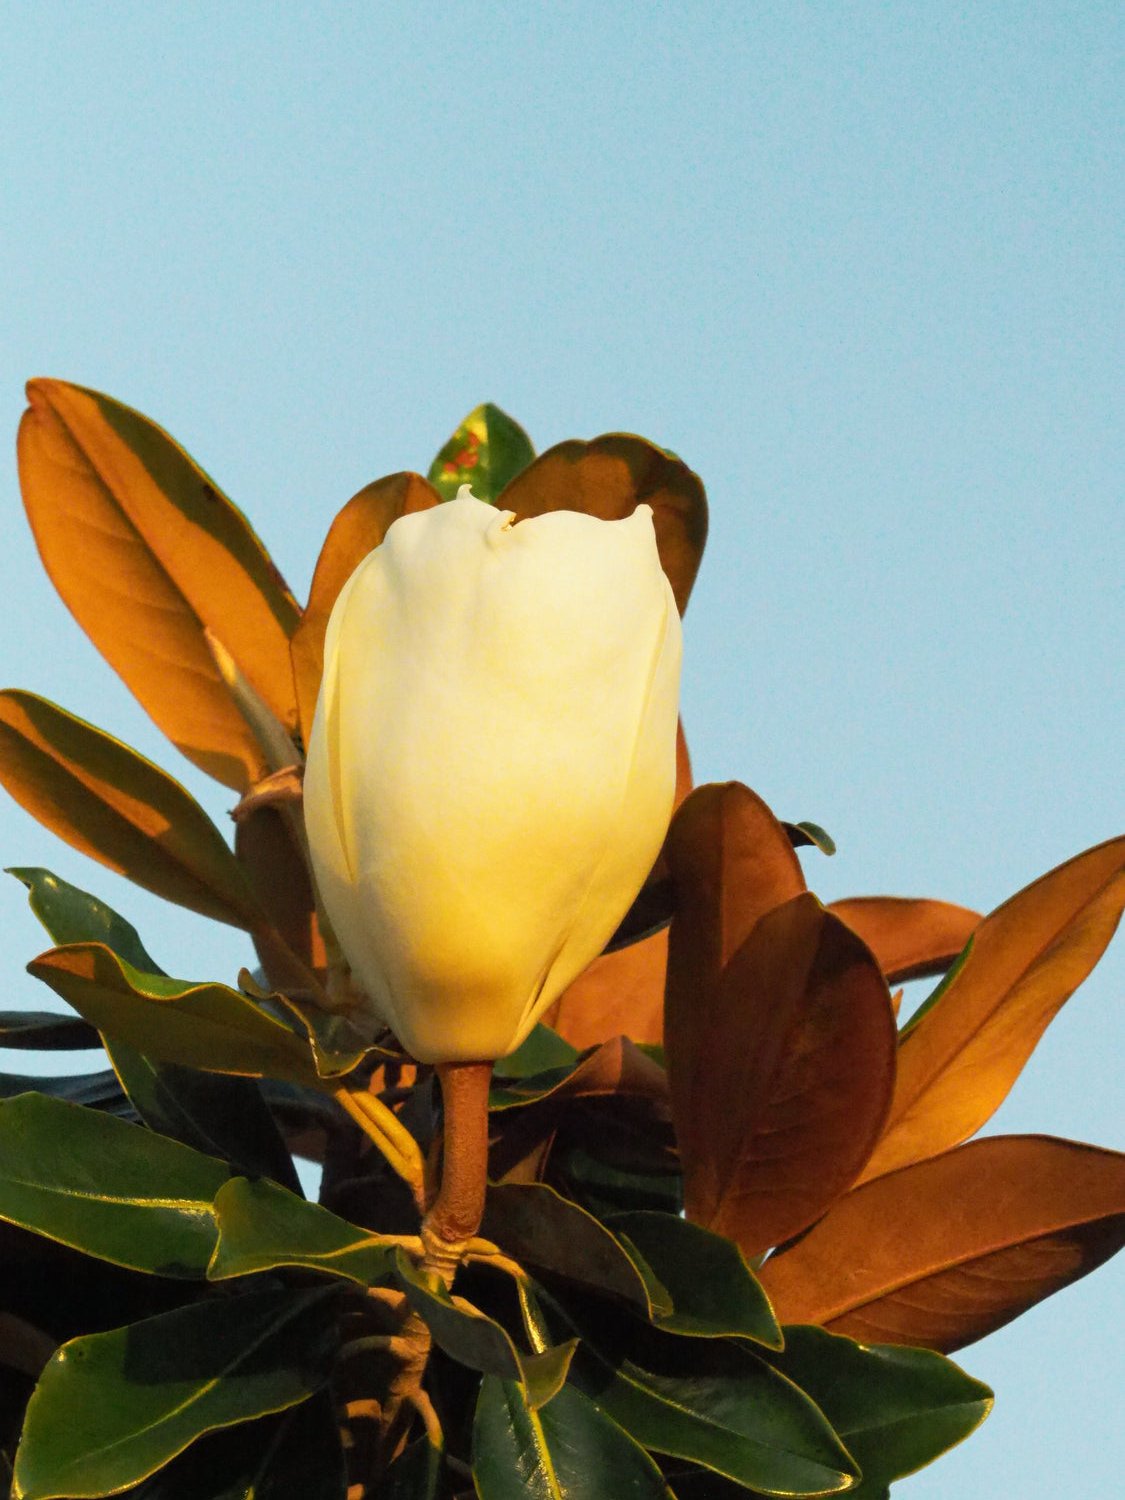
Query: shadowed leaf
point(101, 1090)
point(609, 477)
point(487, 451)
point(110, 803)
point(810, 836)
point(959, 1059)
point(472, 1339)
point(268, 852)
point(912, 939)
point(942, 1252)
point(616, 1067)
point(795, 1055)
point(357, 530)
point(568, 1450)
point(46, 1031)
point(106, 1187)
point(111, 1408)
point(146, 552)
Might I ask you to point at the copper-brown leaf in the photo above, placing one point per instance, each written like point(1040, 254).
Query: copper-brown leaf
point(357, 530)
point(962, 1056)
point(794, 1070)
point(622, 993)
point(268, 851)
point(912, 939)
point(110, 803)
point(146, 552)
point(731, 861)
point(947, 1250)
point(609, 477)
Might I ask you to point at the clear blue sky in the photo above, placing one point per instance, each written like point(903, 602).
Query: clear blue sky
point(860, 264)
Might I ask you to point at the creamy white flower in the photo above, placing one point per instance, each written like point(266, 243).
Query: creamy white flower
point(492, 764)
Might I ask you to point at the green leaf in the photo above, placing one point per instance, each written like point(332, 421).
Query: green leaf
point(222, 1116)
point(46, 1031)
point(111, 1189)
point(605, 1189)
point(109, 802)
point(567, 1450)
point(487, 451)
point(806, 835)
point(713, 1290)
point(472, 1339)
point(416, 1474)
point(541, 1051)
point(261, 1226)
point(710, 1401)
point(208, 1026)
point(100, 1090)
point(537, 1226)
point(896, 1408)
point(111, 1408)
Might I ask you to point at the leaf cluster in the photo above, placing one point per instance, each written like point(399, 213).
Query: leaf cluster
point(736, 1220)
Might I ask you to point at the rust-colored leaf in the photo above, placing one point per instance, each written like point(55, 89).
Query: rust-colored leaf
point(947, 1250)
point(609, 477)
point(146, 551)
point(358, 529)
point(268, 851)
point(731, 861)
point(622, 993)
point(912, 939)
point(110, 803)
point(960, 1058)
point(616, 1067)
point(794, 1070)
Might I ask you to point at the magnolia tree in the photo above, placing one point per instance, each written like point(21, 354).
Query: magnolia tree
point(631, 1184)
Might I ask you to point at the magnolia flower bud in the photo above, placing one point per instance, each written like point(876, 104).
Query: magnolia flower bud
point(492, 763)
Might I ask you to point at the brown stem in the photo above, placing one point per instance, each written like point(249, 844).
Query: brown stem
point(455, 1215)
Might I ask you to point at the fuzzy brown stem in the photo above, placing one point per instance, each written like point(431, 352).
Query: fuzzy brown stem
point(455, 1215)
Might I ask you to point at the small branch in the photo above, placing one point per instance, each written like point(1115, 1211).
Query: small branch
point(383, 1127)
point(455, 1214)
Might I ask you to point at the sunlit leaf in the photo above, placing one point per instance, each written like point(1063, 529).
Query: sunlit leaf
point(111, 1408)
point(567, 1450)
point(945, 1251)
point(106, 1187)
point(356, 531)
point(487, 451)
point(795, 1058)
point(609, 477)
point(810, 836)
point(960, 1059)
point(208, 1026)
point(146, 552)
point(912, 939)
point(261, 1227)
point(473, 1339)
point(895, 1409)
point(110, 803)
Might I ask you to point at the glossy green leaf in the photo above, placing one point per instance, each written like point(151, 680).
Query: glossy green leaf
point(104, 1186)
point(111, 803)
point(487, 450)
point(540, 1228)
point(618, 1066)
point(604, 1189)
point(208, 1026)
point(278, 1457)
point(567, 1450)
point(895, 1408)
point(46, 1031)
point(712, 1288)
point(146, 552)
point(711, 1401)
point(222, 1116)
point(261, 1226)
point(111, 1408)
point(472, 1339)
point(337, 1045)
